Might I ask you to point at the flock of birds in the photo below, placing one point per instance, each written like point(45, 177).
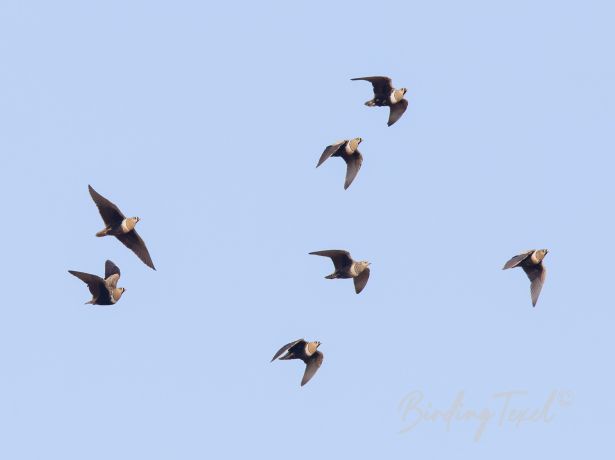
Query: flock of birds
point(105, 291)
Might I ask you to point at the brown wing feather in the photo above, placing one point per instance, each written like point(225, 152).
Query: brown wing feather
point(361, 280)
point(330, 150)
point(537, 275)
point(286, 348)
point(353, 164)
point(109, 212)
point(339, 257)
point(312, 365)
point(382, 85)
point(396, 111)
point(111, 269)
point(95, 283)
point(516, 260)
point(133, 241)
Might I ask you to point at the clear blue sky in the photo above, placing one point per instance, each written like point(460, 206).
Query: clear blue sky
point(207, 122)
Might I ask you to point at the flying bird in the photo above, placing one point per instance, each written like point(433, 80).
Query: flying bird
point(104, 291)
point(345, 267)
point(306, 352)
point(386, 95)
point(120, 226)
point(349, 151)
point(531, 262)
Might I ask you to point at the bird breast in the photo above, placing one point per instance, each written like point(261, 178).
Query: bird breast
point(128, 225)
point(534, 258)
point(115, 294)
point(351, 146)
point(396, 96)
point(310, 348)
point(356, 269)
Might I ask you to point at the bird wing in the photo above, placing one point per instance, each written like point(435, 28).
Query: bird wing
point(96, 284)
point(361, 280)
point(353, 164)
point(517, 260)
point(111, 269)
point(109, 212)
point(311, 366)
point(340, 258)
point(285, 348)
point(382, 85)
point(396, 111)
point(133, 241)
point(330, 150)
point(536, 274)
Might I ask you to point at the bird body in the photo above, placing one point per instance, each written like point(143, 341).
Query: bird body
point(116, 229)
point(120, 226)
point(306, 352)
point(387, 96)
point(104, 290)
point(348, 150)
point(346, 267)
point(531, 263)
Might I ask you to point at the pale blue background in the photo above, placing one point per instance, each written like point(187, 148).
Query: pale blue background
point(206, 120)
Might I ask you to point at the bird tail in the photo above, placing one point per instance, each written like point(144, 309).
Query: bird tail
point(91, 302)
point(332, 276)
point(370, 103)
point(103, 232)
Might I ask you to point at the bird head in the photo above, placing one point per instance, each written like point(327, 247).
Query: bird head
point(541, 253)
point(403, 90)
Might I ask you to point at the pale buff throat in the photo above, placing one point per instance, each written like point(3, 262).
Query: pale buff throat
point(397, 96)
point(310, 348)
point(116, 294)
point(129, 224)
point(352, 145)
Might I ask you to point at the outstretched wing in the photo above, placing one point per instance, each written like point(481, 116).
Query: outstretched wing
point(311, 366)
point(339, 257)
point(537, 275)
point(382, 85)
point(111, 269)
point(285, 348)
point(133, 241)
point(396, 111)
point(353, 164)
point(96, 284)
point(109, 212)
point(330, 150)
point(516, 260)
point(361, 280)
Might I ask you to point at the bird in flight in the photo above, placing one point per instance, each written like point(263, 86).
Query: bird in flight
point(306, 352)
point(345, 267)
point(348, 150)
point(531, 263)
point(104, 291)
point(386, 95)
point(120, 226)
